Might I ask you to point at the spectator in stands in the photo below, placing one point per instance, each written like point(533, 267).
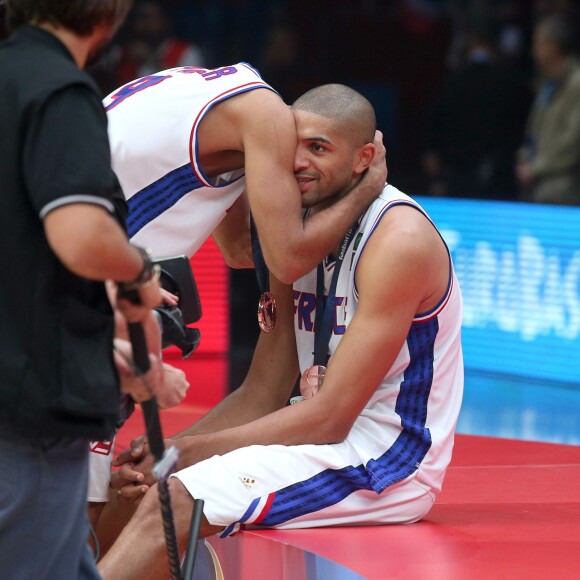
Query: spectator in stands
point(144, 46)
point(476, 123)
point(543, 8)
point(282, 62)
point(150, 46)
point(548, 168)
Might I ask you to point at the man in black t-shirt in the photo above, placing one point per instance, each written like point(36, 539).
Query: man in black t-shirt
point(61, 235)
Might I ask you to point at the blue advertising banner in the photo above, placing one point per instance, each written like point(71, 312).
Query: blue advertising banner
point(518, 266)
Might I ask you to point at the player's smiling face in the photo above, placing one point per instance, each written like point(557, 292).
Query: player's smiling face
point(324, 160)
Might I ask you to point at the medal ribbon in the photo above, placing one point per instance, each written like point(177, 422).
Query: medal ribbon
point(262, 274)
point(324, 319)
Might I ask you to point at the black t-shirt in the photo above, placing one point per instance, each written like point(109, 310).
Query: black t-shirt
point(68, 163)
point(56, 329)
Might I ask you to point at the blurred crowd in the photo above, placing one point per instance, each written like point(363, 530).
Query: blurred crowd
point(476, 98)
point(505, 122)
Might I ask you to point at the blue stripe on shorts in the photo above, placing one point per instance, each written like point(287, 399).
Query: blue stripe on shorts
point(399, 462)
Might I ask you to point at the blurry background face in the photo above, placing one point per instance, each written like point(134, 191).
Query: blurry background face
point(547, 55)
point(324, 159)
point(150, 22)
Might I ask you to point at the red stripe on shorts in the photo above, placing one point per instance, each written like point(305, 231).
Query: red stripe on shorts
point(265, 509)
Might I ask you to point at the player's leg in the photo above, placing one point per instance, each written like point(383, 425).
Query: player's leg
point(140, 550)
point(114, 515)
point(401, 503)
point(266, 486)
point(299, 486)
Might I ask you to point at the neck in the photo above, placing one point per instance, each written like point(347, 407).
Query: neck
point(78, 46)
point(329, 201)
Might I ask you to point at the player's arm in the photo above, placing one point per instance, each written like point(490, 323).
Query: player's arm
point(293, 246)
point(270, 379)
point(394, 275)
point(232, 235)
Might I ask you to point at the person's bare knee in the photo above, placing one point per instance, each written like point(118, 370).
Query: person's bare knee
point(148, 514)
point(183, 504)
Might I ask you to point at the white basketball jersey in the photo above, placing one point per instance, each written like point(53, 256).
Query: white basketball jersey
point(407, 427)
point(153, 122)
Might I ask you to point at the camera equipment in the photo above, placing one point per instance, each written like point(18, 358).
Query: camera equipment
point(177, 278)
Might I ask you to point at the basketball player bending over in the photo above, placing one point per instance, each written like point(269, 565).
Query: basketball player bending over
point(185, 144)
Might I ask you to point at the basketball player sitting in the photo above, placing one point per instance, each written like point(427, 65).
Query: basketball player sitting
point(375, 330)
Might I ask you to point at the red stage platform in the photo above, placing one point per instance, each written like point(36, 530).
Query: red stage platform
point(509, 510)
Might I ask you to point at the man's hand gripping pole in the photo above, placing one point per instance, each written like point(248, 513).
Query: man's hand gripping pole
point(165, 461)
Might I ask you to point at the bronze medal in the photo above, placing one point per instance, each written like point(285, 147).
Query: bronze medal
point(267, 312)
point(312, 380)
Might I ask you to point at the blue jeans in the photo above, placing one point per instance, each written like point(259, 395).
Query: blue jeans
point(43, 510)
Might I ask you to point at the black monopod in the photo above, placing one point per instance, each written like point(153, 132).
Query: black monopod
point(166, 459)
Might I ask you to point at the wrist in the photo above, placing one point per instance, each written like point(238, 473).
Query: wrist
point(148, 275)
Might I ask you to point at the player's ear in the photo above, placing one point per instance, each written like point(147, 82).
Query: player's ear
point(363, 158)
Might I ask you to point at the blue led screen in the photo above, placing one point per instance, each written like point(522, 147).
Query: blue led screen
point(518, 266)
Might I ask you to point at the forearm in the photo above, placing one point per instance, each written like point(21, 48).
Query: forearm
point(238, 408)
point(270, 379)
point(293, 246)
point(324, 227)
point(232, 235)
point(318, 235)
point(237, 253)
point(307, 422)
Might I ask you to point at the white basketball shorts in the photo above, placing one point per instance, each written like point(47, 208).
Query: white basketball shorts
point(300, 486)
point(100, 458)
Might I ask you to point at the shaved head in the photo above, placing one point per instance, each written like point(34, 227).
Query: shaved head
point(351, 113)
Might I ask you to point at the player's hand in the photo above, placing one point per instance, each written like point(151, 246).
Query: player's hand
point(139, 388)
point(130, 487)
point(134, 477)
point(138, 449)
point(175, 386)
point(137, 459)
point(376, 174)
point(149, 297)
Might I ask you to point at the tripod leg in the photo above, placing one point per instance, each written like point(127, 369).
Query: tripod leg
point(189, 564)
